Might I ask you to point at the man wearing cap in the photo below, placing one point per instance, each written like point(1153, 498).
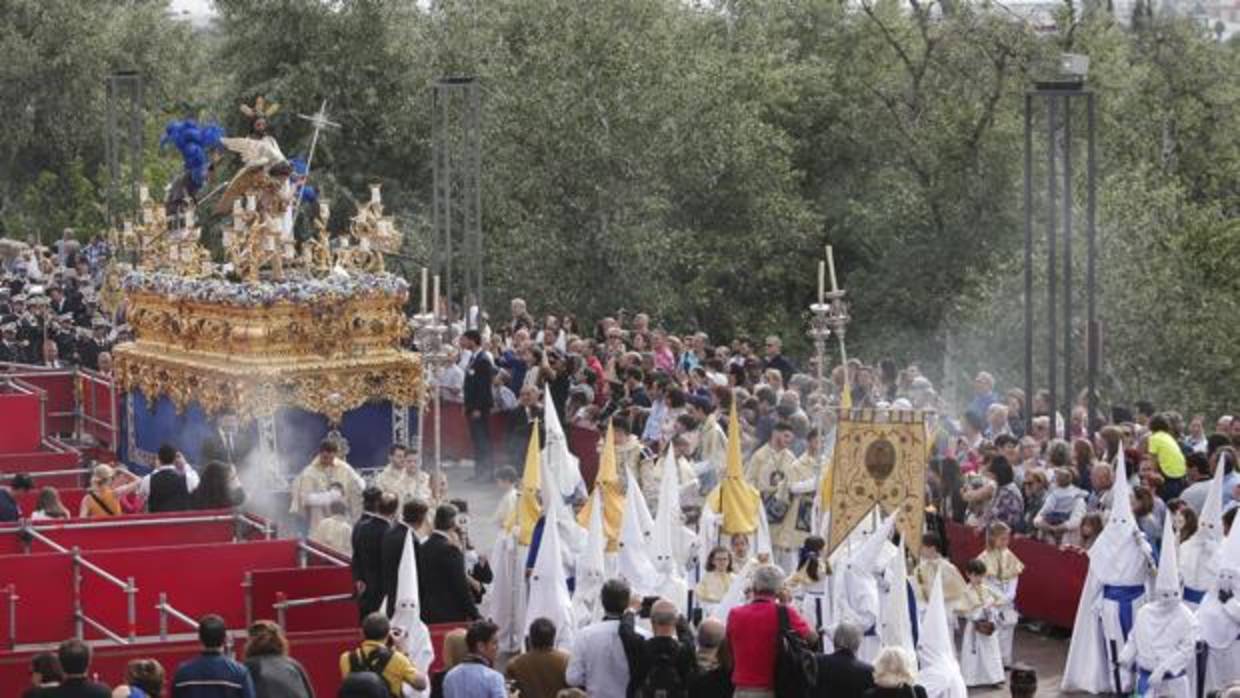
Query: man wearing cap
point(90, 347)
point(11, 349)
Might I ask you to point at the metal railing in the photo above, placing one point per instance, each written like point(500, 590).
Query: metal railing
point(13, 381)
point(81, 619)
point(83, 379)
point(11, 592)
point(165, 611)
point(305, 550)
point(282, 604)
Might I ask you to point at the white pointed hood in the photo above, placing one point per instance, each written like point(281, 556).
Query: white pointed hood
point(896, 624)
point(868, 557)
point(413, 637)
point(1167, 581)
point(549, 596)
point(634, 563)
point(667, 522)
point(556, 454)
point(1229, 557)
point(940, 670)
point(1211, 521)
point(1199, 554)
point(1121, 554)
point(1217, 627)
point(645, 522)
point(591, 568)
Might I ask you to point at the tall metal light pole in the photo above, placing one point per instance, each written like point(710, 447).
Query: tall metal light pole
point(1058, 98)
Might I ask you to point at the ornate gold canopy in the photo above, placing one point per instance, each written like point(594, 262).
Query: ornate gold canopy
point(325, 346)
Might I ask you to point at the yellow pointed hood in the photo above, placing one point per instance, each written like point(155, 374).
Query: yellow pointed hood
point(529, 506)
point(737, 501)
point(608, 479)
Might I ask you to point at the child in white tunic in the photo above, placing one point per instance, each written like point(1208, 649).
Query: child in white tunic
point(1003, 570)
point(981, 660)
point(810, 584)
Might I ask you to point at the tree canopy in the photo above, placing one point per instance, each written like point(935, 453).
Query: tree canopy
point(691, 159)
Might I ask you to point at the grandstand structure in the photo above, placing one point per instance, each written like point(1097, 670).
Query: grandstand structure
point(132, 586)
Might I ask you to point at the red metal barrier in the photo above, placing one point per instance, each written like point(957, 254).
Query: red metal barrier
point(21, 413)
point(118, 533)
point(1064, 572)
point(44, 583)
point(99, 406)
point(303, 583)
point(457, 443)
point(61, 402)
point(198, 579)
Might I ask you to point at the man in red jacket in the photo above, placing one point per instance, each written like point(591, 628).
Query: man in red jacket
point(753, 631)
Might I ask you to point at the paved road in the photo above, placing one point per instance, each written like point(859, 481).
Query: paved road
point(1044, 654)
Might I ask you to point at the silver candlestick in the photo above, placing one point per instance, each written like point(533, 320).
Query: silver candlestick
point(431, 335)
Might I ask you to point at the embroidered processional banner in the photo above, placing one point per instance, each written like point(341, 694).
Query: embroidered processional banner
point(879, 461)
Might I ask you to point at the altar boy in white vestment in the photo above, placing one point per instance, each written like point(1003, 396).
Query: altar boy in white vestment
point(1163, 642)
point(981, 653)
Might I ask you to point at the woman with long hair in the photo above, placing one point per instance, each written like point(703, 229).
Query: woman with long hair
point(810, 583)
point(218, 489)
point(49, 506)
point(275, 674)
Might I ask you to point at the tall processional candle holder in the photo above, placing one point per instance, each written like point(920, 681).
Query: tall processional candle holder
point(431, 335)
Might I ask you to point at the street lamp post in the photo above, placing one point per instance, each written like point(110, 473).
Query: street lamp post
point(1057, 98)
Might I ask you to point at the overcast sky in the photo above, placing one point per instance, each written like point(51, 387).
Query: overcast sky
point(194, 7)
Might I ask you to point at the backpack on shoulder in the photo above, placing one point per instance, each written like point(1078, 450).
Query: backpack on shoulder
point(365, 679)
point(796, 667)
point(663, 680)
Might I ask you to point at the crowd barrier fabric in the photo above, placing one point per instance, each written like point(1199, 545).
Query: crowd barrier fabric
point(1065, 570)
point(22, 417)
point(43, 583)
point(61, 398)
point(304, 583)
point(198, 579)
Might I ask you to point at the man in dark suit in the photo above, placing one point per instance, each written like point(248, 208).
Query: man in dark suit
point(228, 443)
point(412, 516)
point(841, 673)
point(367, 540)
point(445, 593)
point(478, 402)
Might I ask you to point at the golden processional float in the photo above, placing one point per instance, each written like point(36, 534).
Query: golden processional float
point(300, 340)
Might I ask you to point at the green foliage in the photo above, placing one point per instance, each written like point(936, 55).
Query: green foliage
point(692, 159)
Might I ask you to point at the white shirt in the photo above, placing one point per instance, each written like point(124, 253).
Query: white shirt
point(452, 383)
point(597, 663)
point(191, 480)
